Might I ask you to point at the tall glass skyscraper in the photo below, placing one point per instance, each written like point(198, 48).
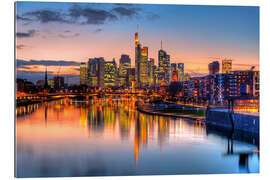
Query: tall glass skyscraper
point(110, 74)
point(96, 72)
point(164, 65)
point(83, 73)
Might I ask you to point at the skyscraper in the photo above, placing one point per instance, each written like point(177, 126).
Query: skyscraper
point(213, 67)
point(138, 51)
point(174, 72)
point(144, 67)
point(226, 66)
point(151, 71)
point(110, 79)
point(96, 72)
point(83, 73)
point(164, 65)
point(125, 64)
point(46, 79)
point(180, 71)
point(130, 76)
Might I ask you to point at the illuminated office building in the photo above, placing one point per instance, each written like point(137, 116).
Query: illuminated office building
point(144, 67)
point(150, 71)
point(130, 76)
point(110, 74)
point(138, 50)
point(226, 66)
point(180, 71)
point(141, 58)
point(83, 73)
point(174, 72)
point(51, 83)
point(96, 72)
point(164, 65)
point(124, 64)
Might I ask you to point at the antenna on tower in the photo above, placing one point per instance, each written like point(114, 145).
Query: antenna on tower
point(161, 44)
point(137, 28)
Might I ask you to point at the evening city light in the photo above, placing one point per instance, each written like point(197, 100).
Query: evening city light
point(112, 89)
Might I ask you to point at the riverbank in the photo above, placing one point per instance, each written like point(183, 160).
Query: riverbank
point(35, 101)
point(242, 121)
point(170, 112)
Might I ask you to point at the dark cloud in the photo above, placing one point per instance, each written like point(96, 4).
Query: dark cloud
point(67, 31)
point(87, 15)
point(30, 33)
point(98, 30)
point(20, 46)
point(23, 18)
point(22, 63)
point(123, 4)
point(152, 16)
point(78, 14)
point(68, 35)
point(46, 16)
point(127, 11)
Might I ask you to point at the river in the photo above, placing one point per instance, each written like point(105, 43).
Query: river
point(108, 136)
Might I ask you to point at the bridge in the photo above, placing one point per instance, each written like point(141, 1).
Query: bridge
point(25, 99)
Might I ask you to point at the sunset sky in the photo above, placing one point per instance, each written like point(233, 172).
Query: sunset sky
point(52, 33)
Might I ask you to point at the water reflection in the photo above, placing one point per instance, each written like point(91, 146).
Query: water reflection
point(109, 137)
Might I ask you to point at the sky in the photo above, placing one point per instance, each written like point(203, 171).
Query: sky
point(53, 34)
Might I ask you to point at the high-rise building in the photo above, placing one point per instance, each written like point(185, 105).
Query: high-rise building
point(110, 74)
point(164, 65)
point(213, 67)
point(180, 71)
point(144, 67)
point(150, 71)
point(226, 66)
point(138, 50)
point(130, 76)
point(174, 72)
point(83, 73)
point(125, 64)
point(51, 83)
point(46, 79)
point(96, 72)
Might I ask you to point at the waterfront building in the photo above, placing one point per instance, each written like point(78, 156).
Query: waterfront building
point(226, 66)
point(247, 83)
point(110, 73)
point(213, 67)
point(96, 72)
point(83, 73)
point(256, 83)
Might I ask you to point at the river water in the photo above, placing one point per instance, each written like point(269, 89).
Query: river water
point(108, 136)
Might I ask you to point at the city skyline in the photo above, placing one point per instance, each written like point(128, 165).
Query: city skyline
point(41, 36)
